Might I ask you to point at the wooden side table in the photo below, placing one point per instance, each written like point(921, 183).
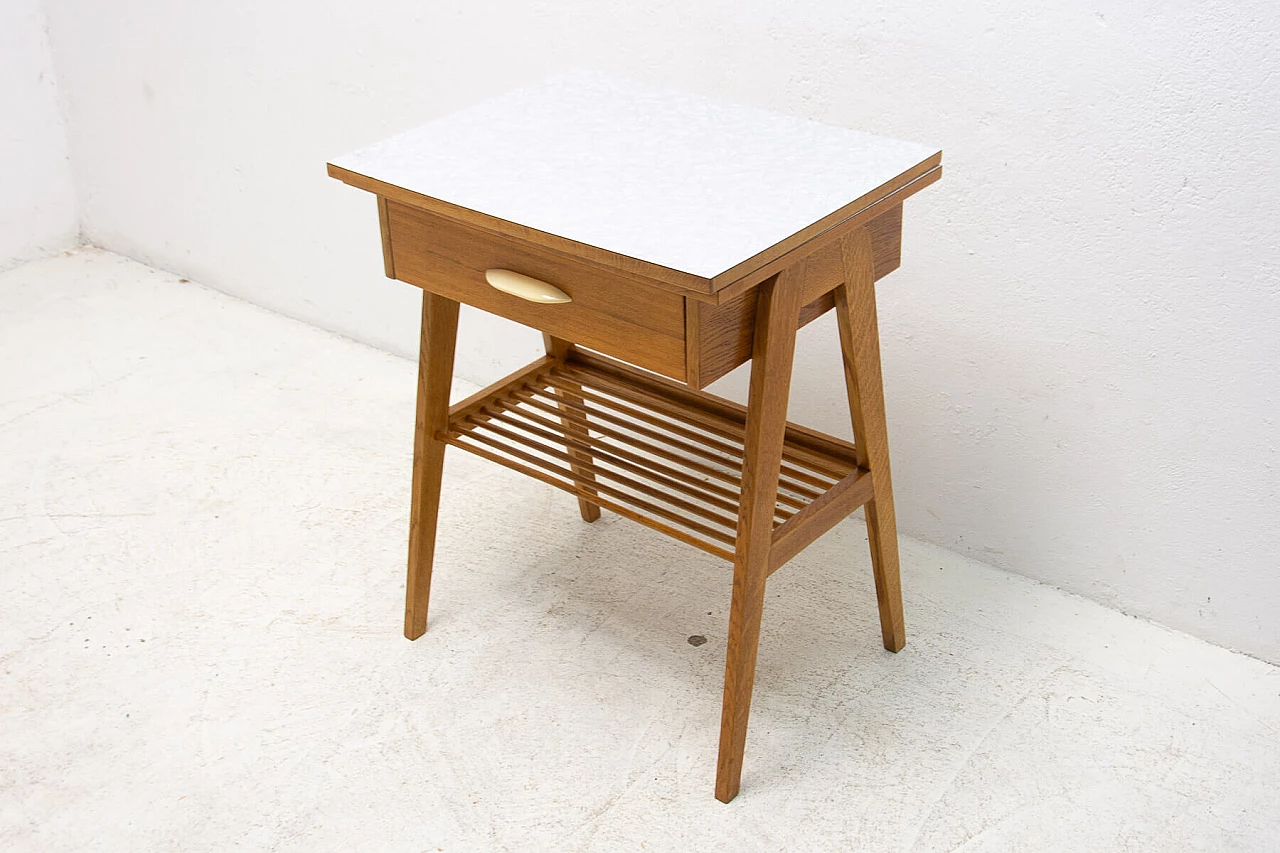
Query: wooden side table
point(649, 228)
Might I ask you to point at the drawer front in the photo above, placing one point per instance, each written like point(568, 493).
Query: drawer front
point(722, 335)
point(609, 312)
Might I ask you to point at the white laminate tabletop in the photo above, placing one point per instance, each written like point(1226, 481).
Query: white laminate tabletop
point(665, 177)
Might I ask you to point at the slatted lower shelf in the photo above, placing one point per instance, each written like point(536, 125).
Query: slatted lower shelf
point(650, 449)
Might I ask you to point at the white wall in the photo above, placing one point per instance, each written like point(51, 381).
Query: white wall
point(1080, 349)
point(37, 203)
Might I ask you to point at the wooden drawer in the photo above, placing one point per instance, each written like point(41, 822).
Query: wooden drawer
point(611, 312)
point(693, 339)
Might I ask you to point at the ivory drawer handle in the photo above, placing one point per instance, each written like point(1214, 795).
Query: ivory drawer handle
point(529, 289)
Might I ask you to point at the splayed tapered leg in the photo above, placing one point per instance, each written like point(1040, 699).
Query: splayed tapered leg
point(777, 315)
point(435, 377)
point(860, 347)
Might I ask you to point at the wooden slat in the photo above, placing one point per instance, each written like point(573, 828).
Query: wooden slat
point(573, 488)
point(728, 475)
point(707, 423)
point(669, 424)
point(670, 476)
point(589, 472)
point(502, 386)
point(670, 463)
point(582, 484)
point(675, 410)
point(817, 518)
point(800, 436)
point(714, 454)
point(809, 488)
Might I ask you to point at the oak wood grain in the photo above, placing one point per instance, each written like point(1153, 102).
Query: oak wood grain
point(798, 532)
point(729, 411)
point(611, 313)
point(777, 318)
point(670, 450)
point(724, 332)
point(388, 265)
point(693, 344)
point(435, 376)
point(669, 476)
point(491, 392)
point(860, 348)
point(539, 473)
point(559, 349)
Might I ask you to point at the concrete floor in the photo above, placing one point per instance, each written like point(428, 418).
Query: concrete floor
point(202, 531)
